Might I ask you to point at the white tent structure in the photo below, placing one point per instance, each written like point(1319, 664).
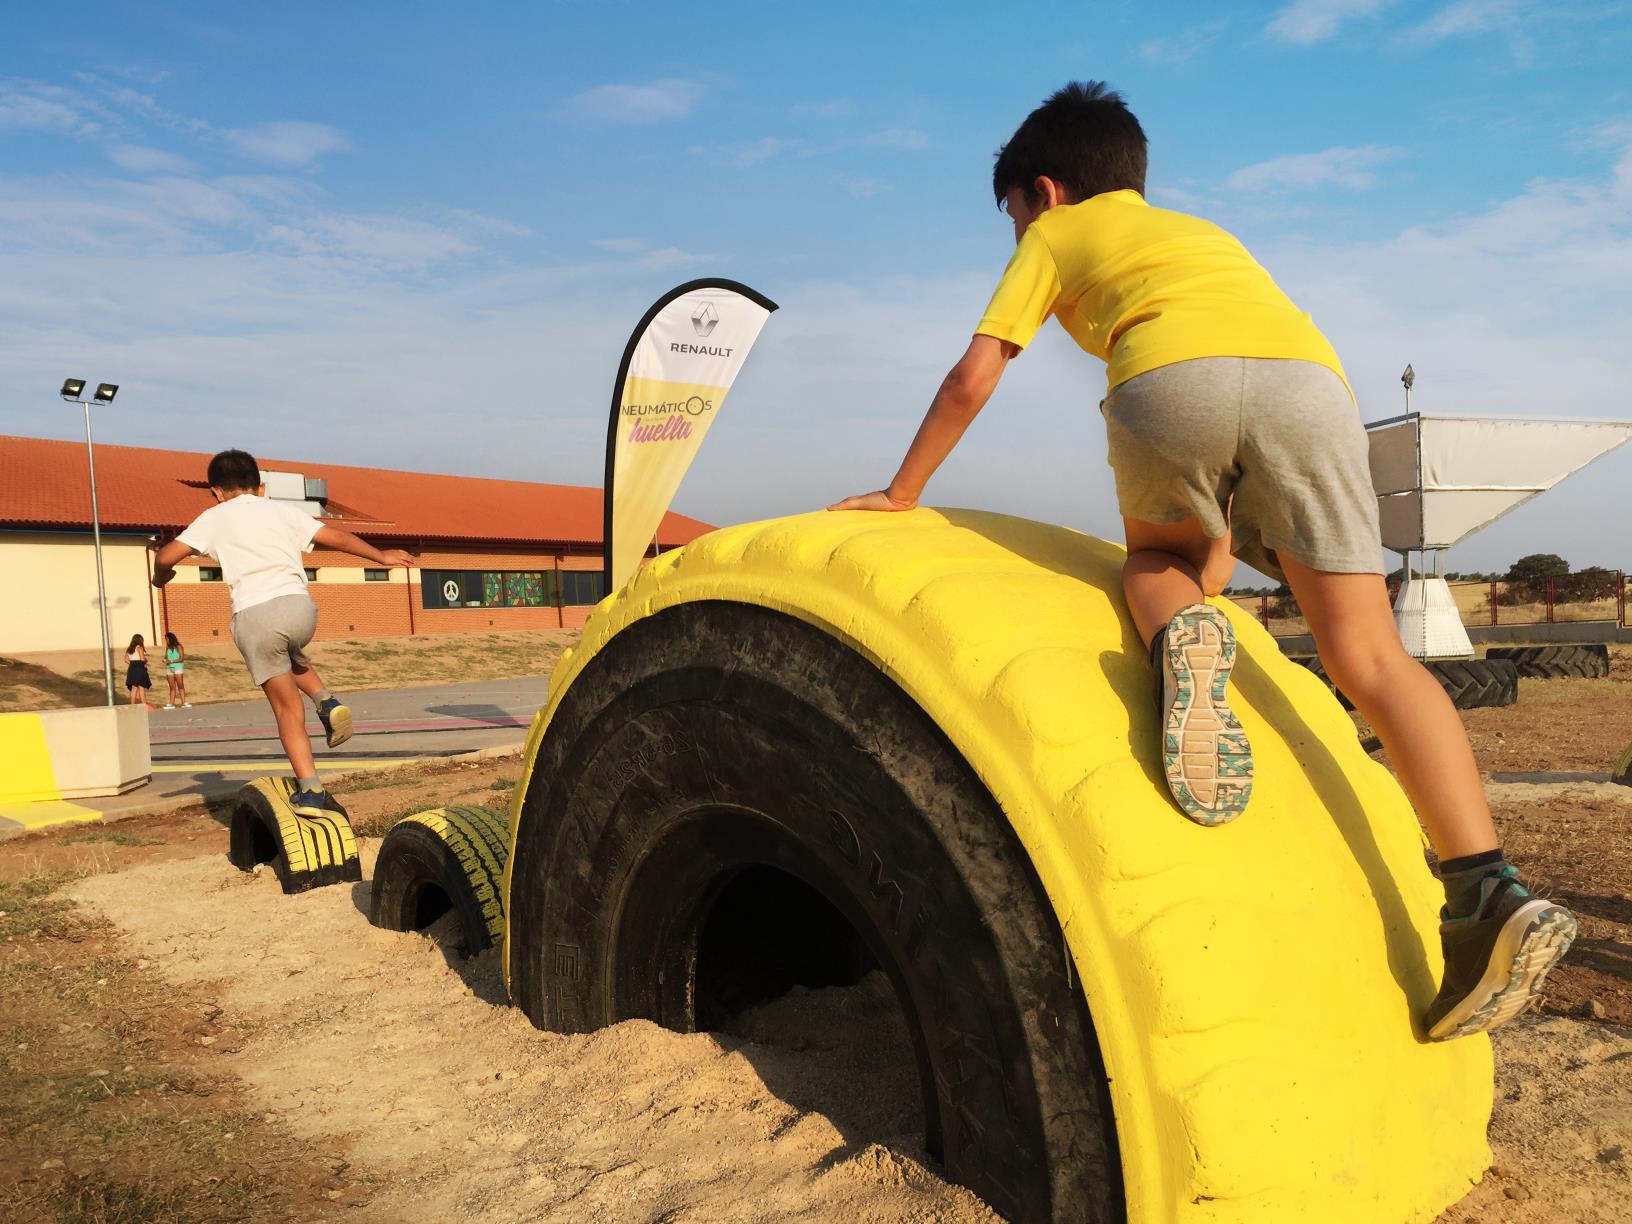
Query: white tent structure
point(1439, 479)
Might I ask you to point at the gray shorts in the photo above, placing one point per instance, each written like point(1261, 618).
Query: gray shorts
point(272, 636)
point(1269, 452)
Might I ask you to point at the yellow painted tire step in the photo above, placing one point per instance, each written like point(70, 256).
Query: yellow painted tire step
point(445, 858)
point(305, 851)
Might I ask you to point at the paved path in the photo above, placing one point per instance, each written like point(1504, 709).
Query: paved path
point(213, 749)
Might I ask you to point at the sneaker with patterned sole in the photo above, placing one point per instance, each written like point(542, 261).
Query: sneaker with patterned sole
point(336, 720)
point(315, 803)
point(1205, 754)
point(1496, 957)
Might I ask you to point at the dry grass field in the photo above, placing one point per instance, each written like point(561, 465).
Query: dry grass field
point(216, 673)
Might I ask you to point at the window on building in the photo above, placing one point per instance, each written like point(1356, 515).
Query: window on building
point(311, 574)
point(487, 589)
point(209, 573)
point(582, 587)
point(376, 575)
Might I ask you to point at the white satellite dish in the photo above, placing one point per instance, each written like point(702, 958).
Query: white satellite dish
point(1439, 479)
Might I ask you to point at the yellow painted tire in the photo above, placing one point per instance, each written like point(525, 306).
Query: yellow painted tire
point(445, 859)
point(305, 851)
point(1255, 989)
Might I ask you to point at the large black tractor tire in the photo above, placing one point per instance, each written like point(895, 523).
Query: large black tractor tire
point(1472, 683)
point(304, 851)
point(445, 859)
point(1585, 661)
point(726, 762)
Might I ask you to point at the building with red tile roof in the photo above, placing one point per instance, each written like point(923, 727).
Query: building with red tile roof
point(494, 554)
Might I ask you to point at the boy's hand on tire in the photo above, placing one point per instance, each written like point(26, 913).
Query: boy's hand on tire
point(881, 500)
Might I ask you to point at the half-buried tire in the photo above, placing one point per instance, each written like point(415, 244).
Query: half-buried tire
point(445, 859)
point(1585, 661)
point(304, 851)
point(725, 792)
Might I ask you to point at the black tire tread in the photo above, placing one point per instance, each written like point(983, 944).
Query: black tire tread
point(1568, 660)
point(460, 849)
point(1476, 683)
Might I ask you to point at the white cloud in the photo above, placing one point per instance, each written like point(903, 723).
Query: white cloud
point(832, 108)
point(1184, 47)
point(900, 139)
point(27, 105)
point(654, 102)
point(1470, 17)
point(1306, 22)
point(395, 241)
point(760, 150)
point(862, 188)
point(139, 159)
point(1339, 167)
point(620, 246)
point(289, 143)
point(1176, 197)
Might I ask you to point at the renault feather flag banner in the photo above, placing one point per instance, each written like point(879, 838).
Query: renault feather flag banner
point(676, 372)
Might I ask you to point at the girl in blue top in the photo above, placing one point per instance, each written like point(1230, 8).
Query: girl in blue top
point(175, 667)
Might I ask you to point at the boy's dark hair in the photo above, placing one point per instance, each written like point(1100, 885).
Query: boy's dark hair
point(234, 471)
point(1084, 138)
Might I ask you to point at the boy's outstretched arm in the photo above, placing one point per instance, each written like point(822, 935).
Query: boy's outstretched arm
point(164, 561)
point(964, 392)
point(344, 541)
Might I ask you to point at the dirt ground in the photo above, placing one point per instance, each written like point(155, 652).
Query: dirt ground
point(181, 1041)
point(215, 672)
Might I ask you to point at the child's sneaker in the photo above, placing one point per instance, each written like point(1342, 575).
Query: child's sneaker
point(314, 803)
point(1205, 754)
point(336, 720)
point(1496, 957)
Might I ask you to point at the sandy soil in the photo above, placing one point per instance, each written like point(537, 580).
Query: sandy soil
point(396, 1051)
point(458, 1109)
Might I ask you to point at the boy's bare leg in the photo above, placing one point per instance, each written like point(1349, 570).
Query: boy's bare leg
point(337, 724)
point(1354, 630)
point(308, 681)
point(1169, 567)
point(283, 694)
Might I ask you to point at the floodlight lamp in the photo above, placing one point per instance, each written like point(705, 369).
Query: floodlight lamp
point(72, 388)
point(105, 392)
point(1409, 377)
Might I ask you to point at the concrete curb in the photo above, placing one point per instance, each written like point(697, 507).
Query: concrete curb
point(180, 803)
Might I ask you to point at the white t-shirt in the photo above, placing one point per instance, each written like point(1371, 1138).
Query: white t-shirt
point(258, 543)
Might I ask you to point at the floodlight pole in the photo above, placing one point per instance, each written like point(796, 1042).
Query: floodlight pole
point(101, 584)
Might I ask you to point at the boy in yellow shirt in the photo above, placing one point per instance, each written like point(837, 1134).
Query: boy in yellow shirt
point(1232, 433)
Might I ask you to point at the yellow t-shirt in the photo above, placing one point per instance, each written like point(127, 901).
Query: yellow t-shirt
point(1142, 287)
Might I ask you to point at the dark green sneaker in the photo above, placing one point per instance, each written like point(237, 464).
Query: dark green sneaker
point(1496, 957)
point(1205, 754)
point(336, 720)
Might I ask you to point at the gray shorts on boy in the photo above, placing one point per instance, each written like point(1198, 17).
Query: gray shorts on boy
point(272, 636)
point(1282, 438)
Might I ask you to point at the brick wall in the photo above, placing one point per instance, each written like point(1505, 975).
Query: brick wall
point(202, 611)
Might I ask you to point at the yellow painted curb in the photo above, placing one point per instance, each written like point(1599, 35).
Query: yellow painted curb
point(46, 813)
point(1255, 987)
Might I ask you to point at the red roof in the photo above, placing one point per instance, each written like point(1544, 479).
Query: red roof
point(44, 483)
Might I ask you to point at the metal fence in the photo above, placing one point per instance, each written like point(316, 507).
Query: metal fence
point(1593, 595)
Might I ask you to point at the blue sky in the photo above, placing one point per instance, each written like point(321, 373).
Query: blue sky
point(417, 235)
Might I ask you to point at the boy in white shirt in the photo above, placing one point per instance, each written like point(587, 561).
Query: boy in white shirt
point(259, 543)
